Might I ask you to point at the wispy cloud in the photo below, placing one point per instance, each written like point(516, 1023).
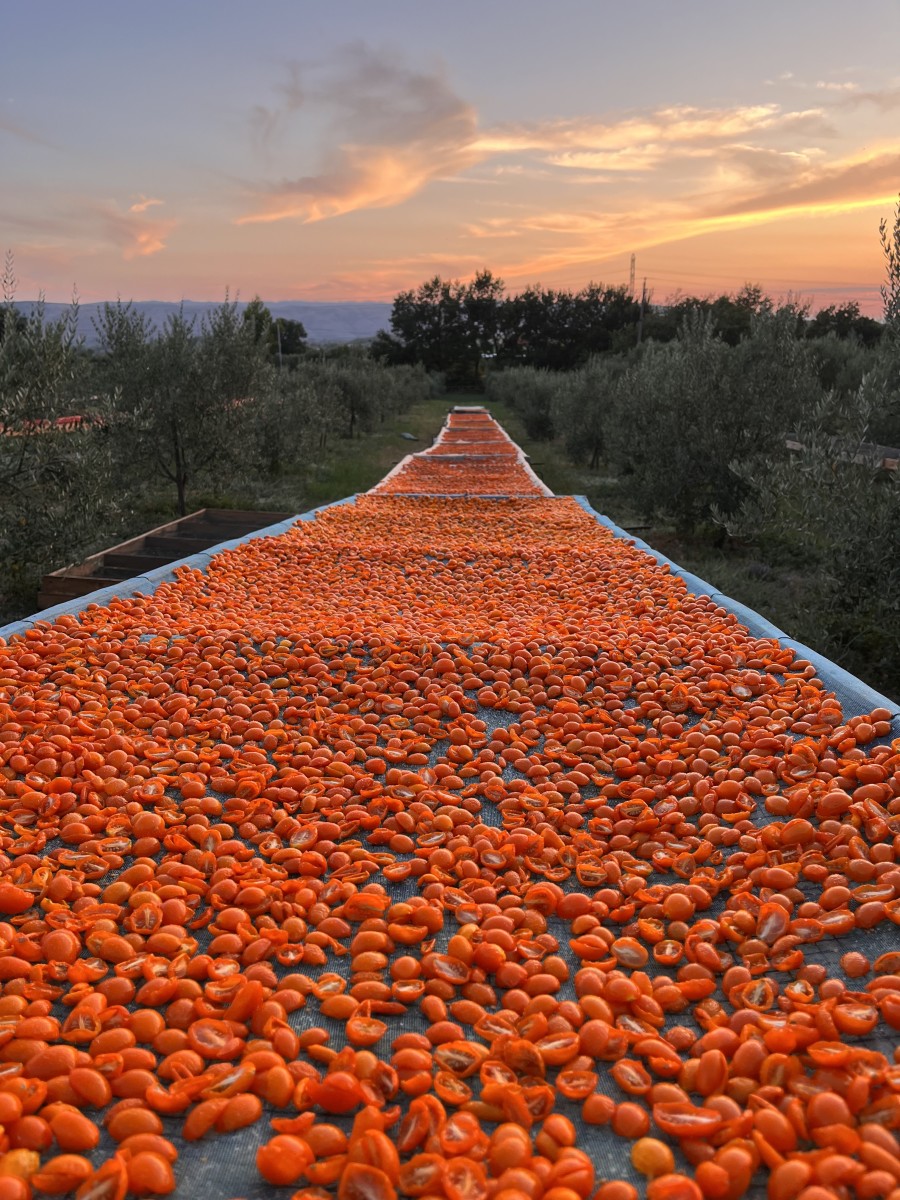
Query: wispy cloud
point(268, 121)
point(843, 93)
point(673, 126)
point(494, 227)
point(136, 236)
point(143, 203)
point(859, 179)
point(393, 129)
point(586, 188)
point(88, 226)
point(14, 130)
point(558, 239)
point(885, 99)
point(679, 172)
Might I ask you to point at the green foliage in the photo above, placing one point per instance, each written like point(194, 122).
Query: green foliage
point(834, 513)
point(562, 330)
point(731, 315)
point(290, 421)
point(289, 339)
point(54, 485)
point(455, 328)
point(446, 326)
point(529, 392)
point(840, 362)
point(890, 291)
point(198, 410)
point(282, 338)
point(10, 317)
point(584, 405)
point(692, 412)
point(845, 321)
point(183, 398)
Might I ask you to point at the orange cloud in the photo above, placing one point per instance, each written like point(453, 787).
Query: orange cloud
point(681, 125)
point(556, 194)
point(861, 180)
point(137, 236)
point(818, 189)
point(87, 227)
point(394, 130)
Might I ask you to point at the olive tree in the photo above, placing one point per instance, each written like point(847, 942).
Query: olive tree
point(184, 397)
point(55, 488)
point(697, 410)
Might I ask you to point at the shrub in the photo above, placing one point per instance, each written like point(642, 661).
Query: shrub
point(55, 486)
point(695, 411)
point(834, 513)
point(529, 392)
point(586, 403)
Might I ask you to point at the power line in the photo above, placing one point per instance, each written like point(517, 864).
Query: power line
point(673, 275)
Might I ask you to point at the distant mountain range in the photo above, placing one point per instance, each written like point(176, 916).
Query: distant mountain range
point(324, 321)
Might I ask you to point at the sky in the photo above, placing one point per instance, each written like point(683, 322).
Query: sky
point(347, 151)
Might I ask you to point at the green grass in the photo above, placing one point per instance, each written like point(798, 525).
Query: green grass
point(359, 464)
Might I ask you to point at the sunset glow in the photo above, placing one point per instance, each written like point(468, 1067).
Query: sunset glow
point(347, 153)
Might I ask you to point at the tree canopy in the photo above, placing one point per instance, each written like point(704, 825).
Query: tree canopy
point(279, 335)
point(457, 329)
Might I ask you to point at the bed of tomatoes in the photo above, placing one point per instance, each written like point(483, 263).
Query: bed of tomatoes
point(441, 842)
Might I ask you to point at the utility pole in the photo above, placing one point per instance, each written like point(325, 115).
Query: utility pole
point(640, 328)
point(631, 277)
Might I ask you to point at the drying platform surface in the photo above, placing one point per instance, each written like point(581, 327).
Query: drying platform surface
point(444, 842)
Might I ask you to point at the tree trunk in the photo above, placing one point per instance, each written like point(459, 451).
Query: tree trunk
point(181, 484)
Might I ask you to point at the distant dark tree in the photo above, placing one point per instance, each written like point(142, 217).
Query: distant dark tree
point(287, 338)
point(257, 320)
point(531, 322)
point(446, 325)
point(279, 335)
point(732, 314)
point(562, 330)
point(663, 321)
point(845, 321)
point(482, 305)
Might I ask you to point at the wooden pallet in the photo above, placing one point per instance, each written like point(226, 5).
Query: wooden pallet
point(156, 548)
